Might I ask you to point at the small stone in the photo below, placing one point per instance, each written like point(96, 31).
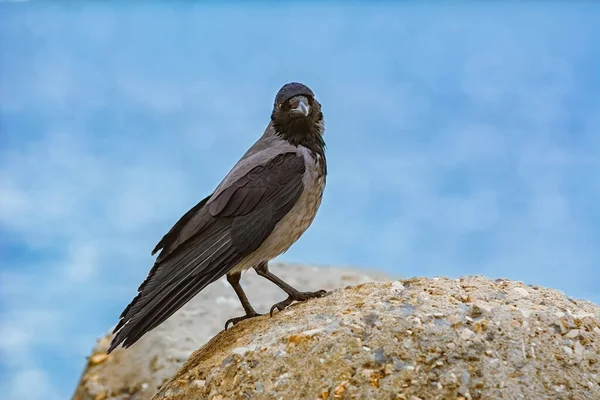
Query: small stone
point(559, 388)
point(312, 332)
point(101, 396)
point(283, 377)
point(241, 350)
point(98, 358)
point(466, 334)
point(454, 319)
point(397, 286)
point(559, 328)
point(198, 382)
point(520, 292)
point(379, 356)
point(485, 307)
point(526, 313)
point(582, 315)
point(573, 333)
point(338, 392)
point(366, 372)
point(424, 297)
point(568, 350)
point(579, 349)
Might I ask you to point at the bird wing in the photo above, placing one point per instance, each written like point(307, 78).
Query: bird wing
point(261, 153)
point(228, 226)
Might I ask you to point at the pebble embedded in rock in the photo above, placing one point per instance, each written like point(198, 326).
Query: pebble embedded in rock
point(520, 292)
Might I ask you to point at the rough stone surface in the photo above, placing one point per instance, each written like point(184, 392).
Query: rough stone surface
point(137, 373)
point(469, 338)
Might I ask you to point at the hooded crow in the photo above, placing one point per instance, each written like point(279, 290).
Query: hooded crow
point(263, 205)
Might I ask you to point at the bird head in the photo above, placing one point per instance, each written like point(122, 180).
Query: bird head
point(296, 113)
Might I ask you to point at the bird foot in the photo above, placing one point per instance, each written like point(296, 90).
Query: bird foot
point(234, 321)
point(299, 296)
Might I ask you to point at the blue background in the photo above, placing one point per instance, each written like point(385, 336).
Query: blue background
point(462, 139)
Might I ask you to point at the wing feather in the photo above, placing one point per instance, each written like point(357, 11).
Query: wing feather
point(171, 236)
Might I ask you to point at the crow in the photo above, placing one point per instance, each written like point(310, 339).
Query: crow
point(261, 207)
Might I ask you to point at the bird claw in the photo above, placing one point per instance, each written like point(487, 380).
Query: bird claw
point(299, 296)
point(234, 321)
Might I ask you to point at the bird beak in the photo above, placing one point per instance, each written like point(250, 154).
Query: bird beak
point(301, 110)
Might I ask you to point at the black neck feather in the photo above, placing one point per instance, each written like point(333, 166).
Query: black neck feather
point(303, 132)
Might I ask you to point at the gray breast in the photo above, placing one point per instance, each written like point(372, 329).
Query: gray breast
point(300, 217)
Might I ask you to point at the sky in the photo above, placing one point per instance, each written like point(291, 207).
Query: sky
point(462, 139)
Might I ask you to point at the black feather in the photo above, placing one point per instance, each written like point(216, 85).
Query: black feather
point(170, 236)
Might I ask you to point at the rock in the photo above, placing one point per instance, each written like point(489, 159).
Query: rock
point(464, 339)
point(137, 373)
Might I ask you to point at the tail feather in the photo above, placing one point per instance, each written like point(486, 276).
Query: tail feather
point(174, 284)
point(190, 259)
point(161, 312)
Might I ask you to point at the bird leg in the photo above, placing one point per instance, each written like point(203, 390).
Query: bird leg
point(234, 281)
point(262, 269)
